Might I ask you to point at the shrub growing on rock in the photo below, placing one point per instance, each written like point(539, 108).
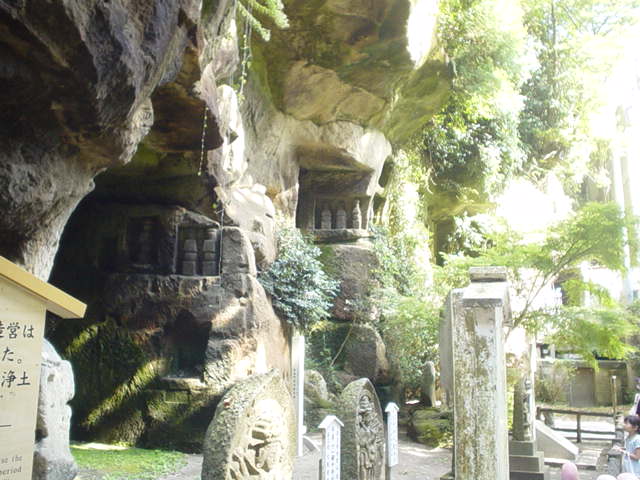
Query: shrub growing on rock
point(301, 291)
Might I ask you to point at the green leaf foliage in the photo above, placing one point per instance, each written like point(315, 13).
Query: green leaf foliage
point(593, 234)
point(576, 43)
point(301, 292)
point(593, 331)
point(409, 308)
point(271, 10)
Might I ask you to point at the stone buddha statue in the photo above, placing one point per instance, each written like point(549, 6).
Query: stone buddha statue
point(325, 218)
point(341, 217)
point(356, 216)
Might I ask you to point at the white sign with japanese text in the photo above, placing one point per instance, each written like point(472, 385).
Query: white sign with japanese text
point(22, 320)
point(392, 434)
point(331, 426)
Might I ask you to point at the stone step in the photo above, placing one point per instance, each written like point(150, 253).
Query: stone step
point(526, 463)
point(558, 462)
point(517, 475)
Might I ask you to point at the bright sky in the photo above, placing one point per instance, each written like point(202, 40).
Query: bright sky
point(530, 210)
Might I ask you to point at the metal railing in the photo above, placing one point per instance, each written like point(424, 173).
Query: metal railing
point(579, 431)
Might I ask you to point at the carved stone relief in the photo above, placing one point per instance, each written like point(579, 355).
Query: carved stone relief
point(252, 434)
point(363, 432)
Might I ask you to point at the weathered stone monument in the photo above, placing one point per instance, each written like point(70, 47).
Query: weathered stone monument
point(363, 433)
point(525, 462)
point(52, 458)
point(252, 435)
point(24, 301)
point(477, 377)
point(428, 385)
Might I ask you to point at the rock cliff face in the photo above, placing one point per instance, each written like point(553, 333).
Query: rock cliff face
point(137, 97)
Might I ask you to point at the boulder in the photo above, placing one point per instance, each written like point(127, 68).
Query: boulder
point(353, 266)
point(52, 458)
point(430, 426)
point(318, 402)
point(365, 355)
point(315, 388)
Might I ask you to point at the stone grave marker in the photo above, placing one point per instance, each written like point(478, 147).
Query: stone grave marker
point(392, 437)
point(525, 461)
point(330, 466)
point(363, 434)
point(24, 301)
point(478, 315)
point(252, 435)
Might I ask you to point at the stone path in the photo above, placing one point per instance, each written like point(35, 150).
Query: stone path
point(417, 462)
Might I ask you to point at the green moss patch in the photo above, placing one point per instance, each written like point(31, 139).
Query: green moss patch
point(431, 426)
point(106, 462)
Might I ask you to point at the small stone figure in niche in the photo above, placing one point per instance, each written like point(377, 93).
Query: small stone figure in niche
point(210, 250)
point(356, 216)
point(325, 218)
point(145, 242)
point(189, 256)
point(341, 217)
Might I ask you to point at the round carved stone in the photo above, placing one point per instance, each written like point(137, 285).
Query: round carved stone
point(252, 435)
point(363, 432)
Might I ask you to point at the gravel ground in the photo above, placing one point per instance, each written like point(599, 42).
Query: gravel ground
point(417, 462)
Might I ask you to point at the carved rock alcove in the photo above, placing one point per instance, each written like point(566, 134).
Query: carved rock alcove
point(332, 205)
point(175, 300)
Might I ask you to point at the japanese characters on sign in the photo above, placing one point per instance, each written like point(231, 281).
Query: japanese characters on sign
point(392, 434)
point(24, 301)
point(14, 372)
point(21, 332)
point(331, 448)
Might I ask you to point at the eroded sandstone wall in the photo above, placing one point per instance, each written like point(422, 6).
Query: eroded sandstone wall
point(145, 94)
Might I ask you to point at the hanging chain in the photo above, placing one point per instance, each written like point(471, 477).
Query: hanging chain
point(246, 51)
point(202, 140)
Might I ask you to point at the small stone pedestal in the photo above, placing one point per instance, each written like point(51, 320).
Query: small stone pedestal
point(525, 463)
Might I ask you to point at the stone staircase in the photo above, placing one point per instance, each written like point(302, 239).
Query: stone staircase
point(525, 463)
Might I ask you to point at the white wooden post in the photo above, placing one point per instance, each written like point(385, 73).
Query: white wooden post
point(392, 438)
point(297, 377)
point(330, 463)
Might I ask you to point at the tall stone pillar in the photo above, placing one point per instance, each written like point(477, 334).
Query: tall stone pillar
point(479, 313)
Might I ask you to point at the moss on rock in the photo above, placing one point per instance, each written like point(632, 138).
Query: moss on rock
point(431, 426)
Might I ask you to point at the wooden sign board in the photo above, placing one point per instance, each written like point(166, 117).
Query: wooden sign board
point(24, 300)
